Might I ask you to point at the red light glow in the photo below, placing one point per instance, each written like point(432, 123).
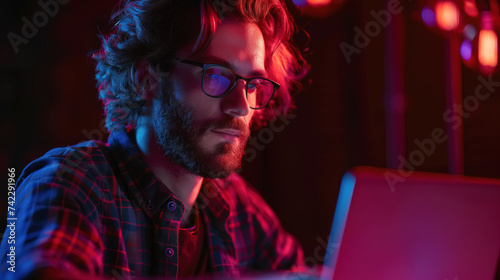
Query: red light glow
point(319, 2)
point(470, 8)
point(447, 15)
point(488, 48)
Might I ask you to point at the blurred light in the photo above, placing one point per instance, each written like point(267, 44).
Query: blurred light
point(447, 15)
point(428, 16)
point(300, 3)
point(488, 48)
point(319, 2)
point(470, 8)
point(466, 50)
point(488, 41)
point(318, 8)
point(470, 31)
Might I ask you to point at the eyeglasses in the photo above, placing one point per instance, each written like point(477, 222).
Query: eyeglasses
point(218, 80)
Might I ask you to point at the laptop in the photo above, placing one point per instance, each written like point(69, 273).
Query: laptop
point(391, 224)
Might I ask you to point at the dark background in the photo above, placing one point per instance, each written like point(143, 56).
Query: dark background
point(48, 99)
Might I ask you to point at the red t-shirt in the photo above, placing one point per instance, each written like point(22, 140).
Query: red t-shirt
point(193, 257)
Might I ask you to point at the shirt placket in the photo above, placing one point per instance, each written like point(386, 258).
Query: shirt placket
point(166, 237)
point(221, 247)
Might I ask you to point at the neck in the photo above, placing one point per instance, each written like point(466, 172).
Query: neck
point(184, 185)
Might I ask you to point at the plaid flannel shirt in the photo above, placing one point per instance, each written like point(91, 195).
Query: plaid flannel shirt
point(99, 209)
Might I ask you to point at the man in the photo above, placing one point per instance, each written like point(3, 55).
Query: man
point(182, 83)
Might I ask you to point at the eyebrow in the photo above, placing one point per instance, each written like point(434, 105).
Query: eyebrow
point(217, 60)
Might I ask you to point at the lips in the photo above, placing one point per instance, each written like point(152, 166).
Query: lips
point(229, 131)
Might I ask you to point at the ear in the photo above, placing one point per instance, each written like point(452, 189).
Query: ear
point(146, 80)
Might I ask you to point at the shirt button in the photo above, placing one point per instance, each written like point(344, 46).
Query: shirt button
point(151, 206)
point(169, 252)
point(211, 190)
point(171, 206)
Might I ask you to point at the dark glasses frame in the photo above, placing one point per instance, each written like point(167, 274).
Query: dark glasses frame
point(205, 66)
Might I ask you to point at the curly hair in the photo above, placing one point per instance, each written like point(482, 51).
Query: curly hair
point(155, 30)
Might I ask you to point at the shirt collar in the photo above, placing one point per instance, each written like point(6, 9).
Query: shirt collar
point(140, 180)
point(149, 191)
point(212, 197)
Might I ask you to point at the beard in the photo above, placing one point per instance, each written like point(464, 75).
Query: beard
point(181, 138)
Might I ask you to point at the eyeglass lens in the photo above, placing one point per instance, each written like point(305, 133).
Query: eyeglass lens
point(218, 80)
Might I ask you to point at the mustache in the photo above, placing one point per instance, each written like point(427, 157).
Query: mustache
point(227, 122)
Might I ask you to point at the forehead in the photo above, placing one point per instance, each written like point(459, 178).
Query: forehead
point(238, 44)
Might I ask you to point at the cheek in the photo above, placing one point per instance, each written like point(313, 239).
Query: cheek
point(187, 89)
point(190, 94)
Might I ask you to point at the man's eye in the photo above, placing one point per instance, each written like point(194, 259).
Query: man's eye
point(253, 86)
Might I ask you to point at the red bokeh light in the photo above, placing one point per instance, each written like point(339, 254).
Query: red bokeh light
point(488, 48)
point(319, 2)
point(471, 8)
point(447, 15)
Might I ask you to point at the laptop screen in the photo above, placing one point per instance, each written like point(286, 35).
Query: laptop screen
point(392, 224)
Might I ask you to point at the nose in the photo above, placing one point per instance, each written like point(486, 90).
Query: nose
point(235, 103)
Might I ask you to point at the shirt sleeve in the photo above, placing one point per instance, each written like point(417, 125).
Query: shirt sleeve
point(273, 247)
point(276, 248)
point(55, 230)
